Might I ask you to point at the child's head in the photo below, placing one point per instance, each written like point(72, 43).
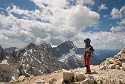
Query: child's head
point(87, 41)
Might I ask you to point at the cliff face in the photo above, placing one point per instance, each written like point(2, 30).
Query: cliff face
point(39, 59)
point(63, 48)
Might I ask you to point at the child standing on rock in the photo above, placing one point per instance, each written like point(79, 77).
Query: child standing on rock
point(88, 52)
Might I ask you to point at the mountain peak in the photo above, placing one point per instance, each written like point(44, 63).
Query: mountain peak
point(63, 48)
point(30, 46)
point(67, 44)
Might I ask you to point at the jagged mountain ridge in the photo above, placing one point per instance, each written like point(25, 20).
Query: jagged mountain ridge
point(42, 59)
point(31, 60)
point(76, 60)
point(63, 49)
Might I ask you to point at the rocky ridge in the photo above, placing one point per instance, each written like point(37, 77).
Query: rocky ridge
point(32, 60)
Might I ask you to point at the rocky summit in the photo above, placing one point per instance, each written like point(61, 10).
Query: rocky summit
point(118, 62)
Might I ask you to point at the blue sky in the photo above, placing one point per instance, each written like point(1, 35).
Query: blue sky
point(53, 22)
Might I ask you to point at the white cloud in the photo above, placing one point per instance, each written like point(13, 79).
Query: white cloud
point(105, 16)
point(17, 10)
point(62, 3)
point(122, 23)
point(78, 19)
point(83, 17)
point(2, 37)
point(102, 7)
point(123, 10)
point(118, 29)
point(118, 13)
point(85, 2)
point(52, 3)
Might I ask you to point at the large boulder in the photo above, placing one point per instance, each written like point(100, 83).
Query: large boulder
point(67, 75)
point(123, 66)
point(51, 81)
point(79, 76)
point(123, 50)
point(112, 66)
point(84, 81)
point(117, 67)
point(119, 63)
point(40, 81)
point(123, 57)
point(111, 61)
point(116, 57)
point(21, 78)
point(103, 67)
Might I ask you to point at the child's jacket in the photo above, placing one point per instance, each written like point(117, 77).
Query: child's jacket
point(88, 51)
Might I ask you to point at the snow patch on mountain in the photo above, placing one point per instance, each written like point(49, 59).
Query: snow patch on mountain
point(72, 59)
point(65, 56)
point(53, 46)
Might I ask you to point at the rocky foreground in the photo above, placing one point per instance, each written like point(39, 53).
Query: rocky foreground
point(77, 76)
point(111, 71)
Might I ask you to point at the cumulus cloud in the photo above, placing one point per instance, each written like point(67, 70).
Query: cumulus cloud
point(102, 7)
point(85, 2)
point(55, 25)
point(17, 10)
point(120, 27)
point(83, 17)
point(62, 3)
point(122, 23)
point(118, 13)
